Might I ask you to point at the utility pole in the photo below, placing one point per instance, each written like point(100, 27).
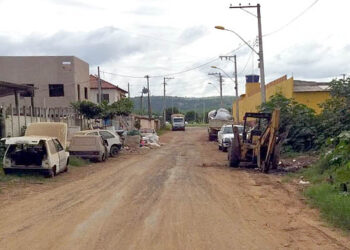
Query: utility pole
point(261, 52)
point(149, 100)
point(236, 82)
point(164, 100)
point(220, 81)
point(99, 86)
point(141, 102)
point(203, 111)
point(129, 90)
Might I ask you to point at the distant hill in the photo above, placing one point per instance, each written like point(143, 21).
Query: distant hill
point(184, 104)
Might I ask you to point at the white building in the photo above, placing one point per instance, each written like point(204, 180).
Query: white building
point(110, 93)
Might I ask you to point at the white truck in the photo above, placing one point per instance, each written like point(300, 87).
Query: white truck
point(217, 119)
point(177, 122)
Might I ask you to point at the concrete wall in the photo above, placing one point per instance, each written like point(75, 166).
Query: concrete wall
point(252, 99)
point(311, 99)
point(42, 71)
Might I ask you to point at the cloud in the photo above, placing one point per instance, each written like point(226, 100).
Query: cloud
point(146, 11)
point(192, 34)
point(96, 47)
point(311, 60)
point(75, 3)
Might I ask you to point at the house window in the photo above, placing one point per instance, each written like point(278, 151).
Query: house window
point(78, 89)
point(105, 98)
point(56, 90)
point(86, 93)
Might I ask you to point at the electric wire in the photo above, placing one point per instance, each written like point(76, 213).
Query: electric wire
point(293, 19)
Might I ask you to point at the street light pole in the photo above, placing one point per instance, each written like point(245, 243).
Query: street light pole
point(236, 80)
point(220, 81)
point(261, 58)
point(261, 51)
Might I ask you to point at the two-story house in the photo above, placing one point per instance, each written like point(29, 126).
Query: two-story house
point(58, 80)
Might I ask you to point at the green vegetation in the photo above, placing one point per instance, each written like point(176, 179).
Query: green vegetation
point(77, 161)
point(183, 104)
point(163, 130)
point(104, 111)
point(329, 134)
point(297, 120)
point(330, 179)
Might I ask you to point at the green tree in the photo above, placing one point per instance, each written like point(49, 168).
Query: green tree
point(297, 120)
point(335, 116)
point(170, 111)
point(191, 116)
point(89, 109)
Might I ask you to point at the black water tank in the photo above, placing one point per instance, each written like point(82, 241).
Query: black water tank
point(252, 78)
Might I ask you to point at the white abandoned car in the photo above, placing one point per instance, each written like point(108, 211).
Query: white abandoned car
point(89, 147)
point(41, 149)
point(112, 139)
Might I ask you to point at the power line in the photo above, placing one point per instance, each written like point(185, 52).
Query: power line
point(175, 73)
point(292, 20)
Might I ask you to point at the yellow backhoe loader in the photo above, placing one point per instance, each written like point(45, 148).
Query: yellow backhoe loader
point(256, 146)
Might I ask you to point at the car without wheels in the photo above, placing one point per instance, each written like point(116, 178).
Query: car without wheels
point(39, 150)
point(114, 143)
point(88, 147)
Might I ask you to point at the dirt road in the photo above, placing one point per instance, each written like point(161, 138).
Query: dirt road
point(181, 196)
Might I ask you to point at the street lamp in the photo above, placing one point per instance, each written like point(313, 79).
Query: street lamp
point(236, 90)
point(261, 61)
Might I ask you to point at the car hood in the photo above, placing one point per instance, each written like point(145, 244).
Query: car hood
point(49, 129)
point(224, 136)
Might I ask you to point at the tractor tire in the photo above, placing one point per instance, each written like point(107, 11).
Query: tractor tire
point(234, 154)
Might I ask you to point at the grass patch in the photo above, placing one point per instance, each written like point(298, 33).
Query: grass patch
point(197, 125)
point(163, 130)
point(77, 161)
point(20, 177)
point(333, 204)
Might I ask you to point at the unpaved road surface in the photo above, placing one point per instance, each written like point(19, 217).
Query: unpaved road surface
point(181, 196)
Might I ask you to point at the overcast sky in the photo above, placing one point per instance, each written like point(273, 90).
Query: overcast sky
point(162, 37)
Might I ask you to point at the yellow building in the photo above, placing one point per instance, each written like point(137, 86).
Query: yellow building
point(305, 92)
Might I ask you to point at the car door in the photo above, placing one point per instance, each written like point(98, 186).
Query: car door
point(109, 137)
point(54, 157)
point(61, 154)
point(220, 133)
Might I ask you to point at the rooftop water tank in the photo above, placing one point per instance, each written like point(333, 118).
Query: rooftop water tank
point(252, 78)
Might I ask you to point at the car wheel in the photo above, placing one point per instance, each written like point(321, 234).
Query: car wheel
point(114, 150)
point(220, 147)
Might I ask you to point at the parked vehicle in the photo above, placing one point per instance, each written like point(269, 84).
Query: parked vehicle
point(217, 119)
point(259, 146)
point(89, 147)
point(225, 136)
point(114, 143)
point(178, 122)
point(42, 149)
